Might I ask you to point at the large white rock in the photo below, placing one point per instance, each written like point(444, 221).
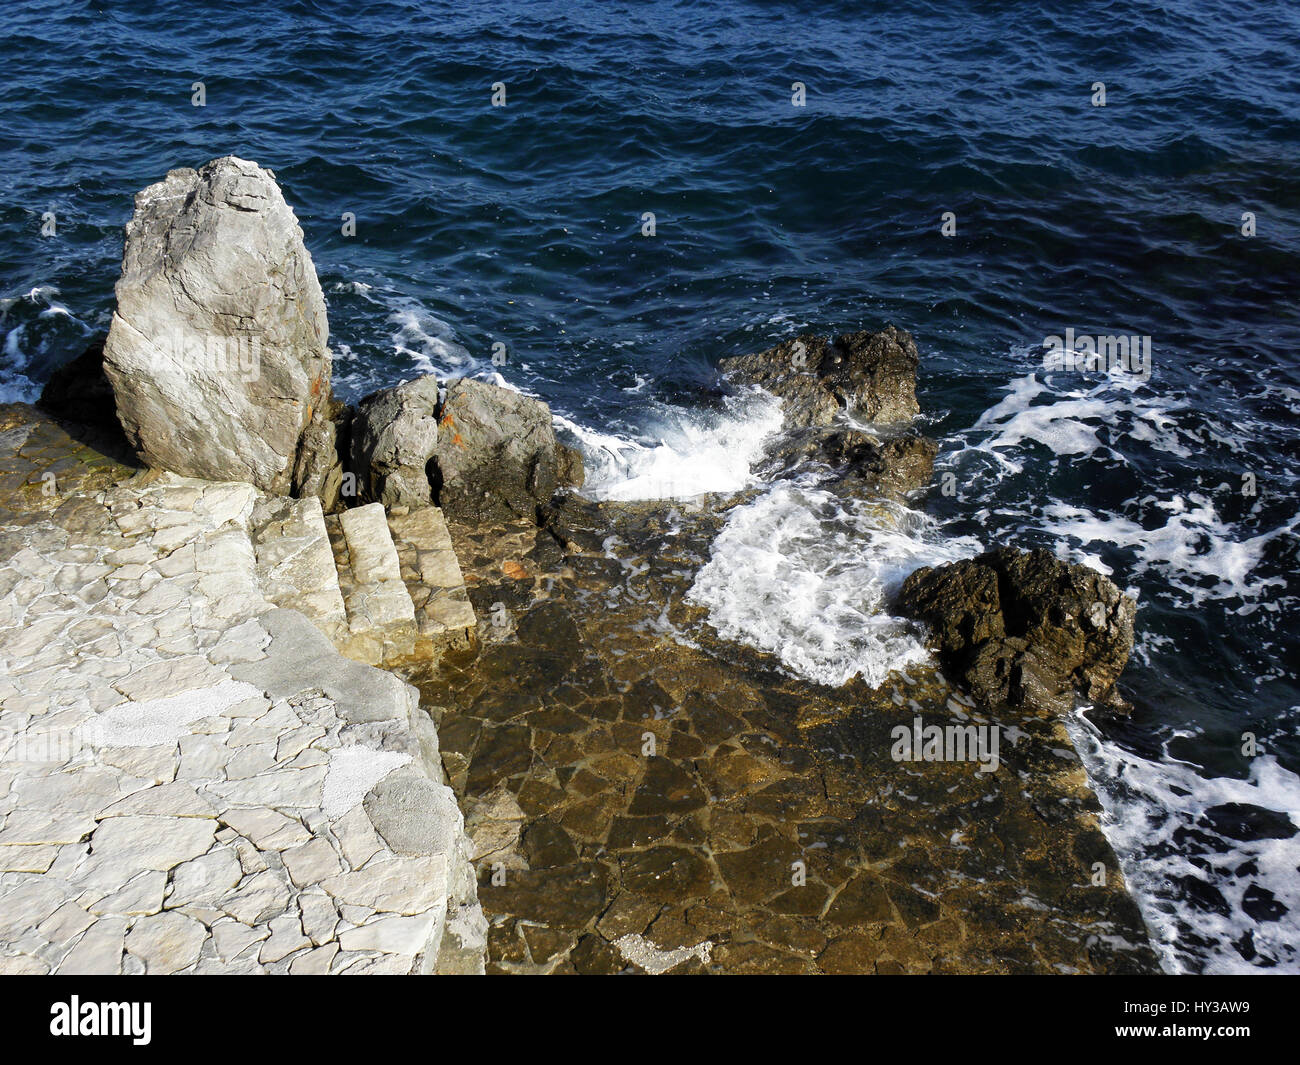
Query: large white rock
point(217, 350)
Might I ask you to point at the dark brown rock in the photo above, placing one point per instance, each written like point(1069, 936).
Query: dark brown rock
point(872, 375)
point(760, 872)
point(563, 898)
point(666, 874)
point(863, 900)
point(569, 471)
point(546, 845)
point(666, 788)
point(594, 957)
point(1025, 628)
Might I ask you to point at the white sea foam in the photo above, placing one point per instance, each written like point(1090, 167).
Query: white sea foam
point(1147, 802)
point(804, 575)
point(1194, 553)
point(20, 341)
point(1067, 421)
point(695, 451)
point(429, 342)
point(1194, 550)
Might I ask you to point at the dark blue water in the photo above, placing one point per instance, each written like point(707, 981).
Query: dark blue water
point(523, 225)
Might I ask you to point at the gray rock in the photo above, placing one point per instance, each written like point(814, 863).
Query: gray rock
point(299, 657)
point(414, 815)
point(318, 469)
point(480, 452)
point(394, 437)
point(497, 454)
point(217, 350)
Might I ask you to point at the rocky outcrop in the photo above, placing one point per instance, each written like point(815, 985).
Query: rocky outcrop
point(480, 452)
point(217, 350)
point(496, 456)
point(394, 438)
point(828, 388)
point(865, 463)
point(869, 375)
point(891, 466)
point(1026, 629)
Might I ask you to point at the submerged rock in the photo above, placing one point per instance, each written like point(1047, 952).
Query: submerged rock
point(869, 375)
point(480, 452)
point(217, 350)
point(1025, 628)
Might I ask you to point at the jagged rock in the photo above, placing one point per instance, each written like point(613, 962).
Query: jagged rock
point(1025, 628)
point(569, 470)
point(394, 438)
point(480, 452)
point(497, 456)
point(865, 463)
point(871, 375)
point(318, 469)
point(892, 467)
point(825, 386)
point(217, 350)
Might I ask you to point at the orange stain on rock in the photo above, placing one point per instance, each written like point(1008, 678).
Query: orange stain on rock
point(447, 419)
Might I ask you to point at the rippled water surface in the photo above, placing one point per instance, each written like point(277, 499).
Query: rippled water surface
point(522, 225)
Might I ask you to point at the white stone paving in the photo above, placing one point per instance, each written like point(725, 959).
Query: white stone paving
point(192, 779)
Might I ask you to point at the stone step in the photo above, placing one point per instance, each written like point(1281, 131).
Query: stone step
point(295, 562)
point(381, 625)
point(444, 616)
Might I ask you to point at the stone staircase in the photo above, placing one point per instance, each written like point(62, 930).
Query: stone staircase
point(383, 588)
point(444, 617)
point(295, 564)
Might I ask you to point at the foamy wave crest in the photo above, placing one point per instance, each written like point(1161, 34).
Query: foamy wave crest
point(804, 575)
point(697, 451)
point(430, 343)
point(1067, 421)
point(1194, 551)
point(35, 329)
point(1211, 904)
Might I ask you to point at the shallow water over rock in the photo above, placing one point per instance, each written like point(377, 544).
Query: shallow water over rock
point(646, 797)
